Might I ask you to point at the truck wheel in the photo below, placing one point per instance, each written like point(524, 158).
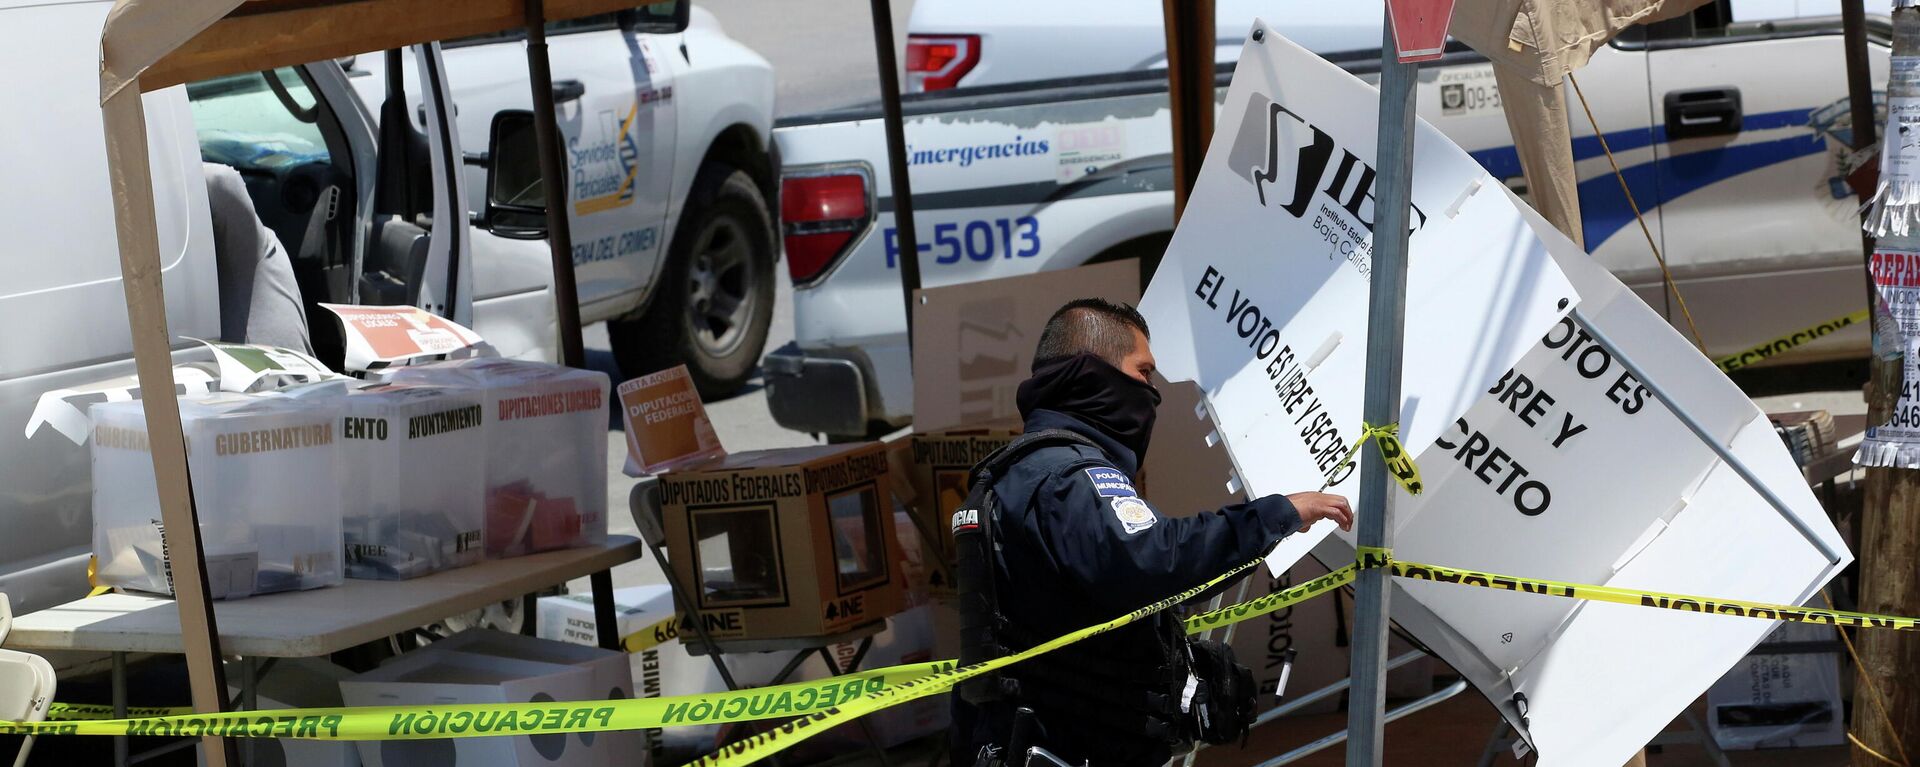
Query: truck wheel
point(715, 297)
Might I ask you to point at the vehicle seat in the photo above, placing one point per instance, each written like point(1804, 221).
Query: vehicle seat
point(259, 298)
point(396, 264)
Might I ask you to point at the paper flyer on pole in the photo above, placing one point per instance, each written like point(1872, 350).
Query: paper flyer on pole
point(1542, 458)
point(1267, 274)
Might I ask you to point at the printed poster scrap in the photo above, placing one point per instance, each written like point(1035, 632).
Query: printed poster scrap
point(380, 336)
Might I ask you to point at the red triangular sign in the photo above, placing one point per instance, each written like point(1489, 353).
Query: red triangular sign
point(1420, 28)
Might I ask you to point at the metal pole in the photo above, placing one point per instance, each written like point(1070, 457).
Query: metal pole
point(1386, 316)
point(546, 136)
point(1700, 431)
point(909, 244)
point(1190, 44)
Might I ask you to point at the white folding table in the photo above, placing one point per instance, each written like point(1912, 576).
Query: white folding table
point(309, 624)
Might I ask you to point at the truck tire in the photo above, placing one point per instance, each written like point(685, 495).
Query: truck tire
point(715, 296)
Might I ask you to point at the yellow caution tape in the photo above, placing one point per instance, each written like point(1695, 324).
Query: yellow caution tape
point(68, 711)
point(1400, 465)
point(652, 636)
point(1254, 608)
point(475, 720)
point(779, 738)
point(1788, 342)
point(1660, 599)
point(94, 588)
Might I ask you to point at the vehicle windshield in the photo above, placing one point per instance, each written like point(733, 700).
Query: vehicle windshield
point(263, 121)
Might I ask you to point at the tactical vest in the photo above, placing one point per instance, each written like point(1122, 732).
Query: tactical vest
point(1132, 699)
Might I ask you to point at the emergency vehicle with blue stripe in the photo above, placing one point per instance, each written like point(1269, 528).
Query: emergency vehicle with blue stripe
point(1731, 127)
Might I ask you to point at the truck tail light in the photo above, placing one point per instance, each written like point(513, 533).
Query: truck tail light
point(822, 214)
point(937, 62)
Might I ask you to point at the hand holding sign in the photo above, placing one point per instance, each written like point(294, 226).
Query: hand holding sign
point(1314, 507)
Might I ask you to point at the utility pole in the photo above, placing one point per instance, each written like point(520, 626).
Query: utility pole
point(1889, 525)
point(1386, 316)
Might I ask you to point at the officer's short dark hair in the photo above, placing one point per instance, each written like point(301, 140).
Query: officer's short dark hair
point(1090, 326)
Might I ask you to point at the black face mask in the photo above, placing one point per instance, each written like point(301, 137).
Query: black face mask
point(1086, 387)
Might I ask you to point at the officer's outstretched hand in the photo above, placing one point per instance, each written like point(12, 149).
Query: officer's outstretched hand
point(1314, 507)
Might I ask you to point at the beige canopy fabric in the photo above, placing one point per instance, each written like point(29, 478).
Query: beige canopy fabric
point(1534, 45)
point(169, 42)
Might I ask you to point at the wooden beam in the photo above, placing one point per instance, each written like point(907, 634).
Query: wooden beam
point(264, 34)
point(141, 279)
point(1190, 45)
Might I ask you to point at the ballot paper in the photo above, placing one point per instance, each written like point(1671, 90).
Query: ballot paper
point(1540, 454)
point(1262, 295)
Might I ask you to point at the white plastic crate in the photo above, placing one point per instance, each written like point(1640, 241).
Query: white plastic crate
point(413, 500)
point(546, 437)
point(266, 486)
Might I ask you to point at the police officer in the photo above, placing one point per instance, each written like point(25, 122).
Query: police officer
point(1074, 545)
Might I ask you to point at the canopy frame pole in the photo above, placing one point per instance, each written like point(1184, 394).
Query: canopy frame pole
point(902, 186)
point(141, 279)
point(1190, 88)
point(1700, 432)
point(546, 135)
point(1386, 320)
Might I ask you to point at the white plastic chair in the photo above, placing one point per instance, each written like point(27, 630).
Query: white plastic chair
point(26, 684)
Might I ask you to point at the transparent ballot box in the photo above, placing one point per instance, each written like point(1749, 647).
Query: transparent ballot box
point(410, 456)
point(266, 486)
point(546, 442)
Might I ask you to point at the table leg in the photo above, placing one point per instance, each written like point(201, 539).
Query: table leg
point(120, 706)
point(834, 669)
point(603, 617)
point(249, 701)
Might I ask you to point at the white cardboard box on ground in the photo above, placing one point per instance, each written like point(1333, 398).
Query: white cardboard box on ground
point(298, 683)
point(612, 680)
point(662, 670)
point(407, 457)
point(546, 436)
point(1772, 700)
point(266, 486)
point(442, 678)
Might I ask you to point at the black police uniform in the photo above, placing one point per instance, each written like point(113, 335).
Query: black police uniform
point(1078, 547)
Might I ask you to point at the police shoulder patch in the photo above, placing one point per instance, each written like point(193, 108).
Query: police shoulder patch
point(1110, 482)
point(1134, 514)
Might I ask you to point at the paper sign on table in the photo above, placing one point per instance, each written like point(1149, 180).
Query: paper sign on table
point(667, 424)
point(378, 336)
point(243, 367)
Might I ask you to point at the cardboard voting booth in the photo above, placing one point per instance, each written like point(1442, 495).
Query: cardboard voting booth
point(973, 342)
point(785, 543)
point(1541, 454)
point(546, 467)
point(266, 482)
point(939, 466)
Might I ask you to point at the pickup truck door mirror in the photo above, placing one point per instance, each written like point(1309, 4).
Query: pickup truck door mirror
point(664, 18)
point(516, 194)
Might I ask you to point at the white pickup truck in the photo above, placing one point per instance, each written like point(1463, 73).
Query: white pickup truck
point(673, 175)
point(361, 212)
point(1730, 125)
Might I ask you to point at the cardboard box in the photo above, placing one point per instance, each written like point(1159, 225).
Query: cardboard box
point(973, 342)
point(785, 543)
point(612, 680)
point(546, 436)
point(941, 463)
point(442, 678)
point(266, 480)
point(1771, 700)
point(407, 455)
